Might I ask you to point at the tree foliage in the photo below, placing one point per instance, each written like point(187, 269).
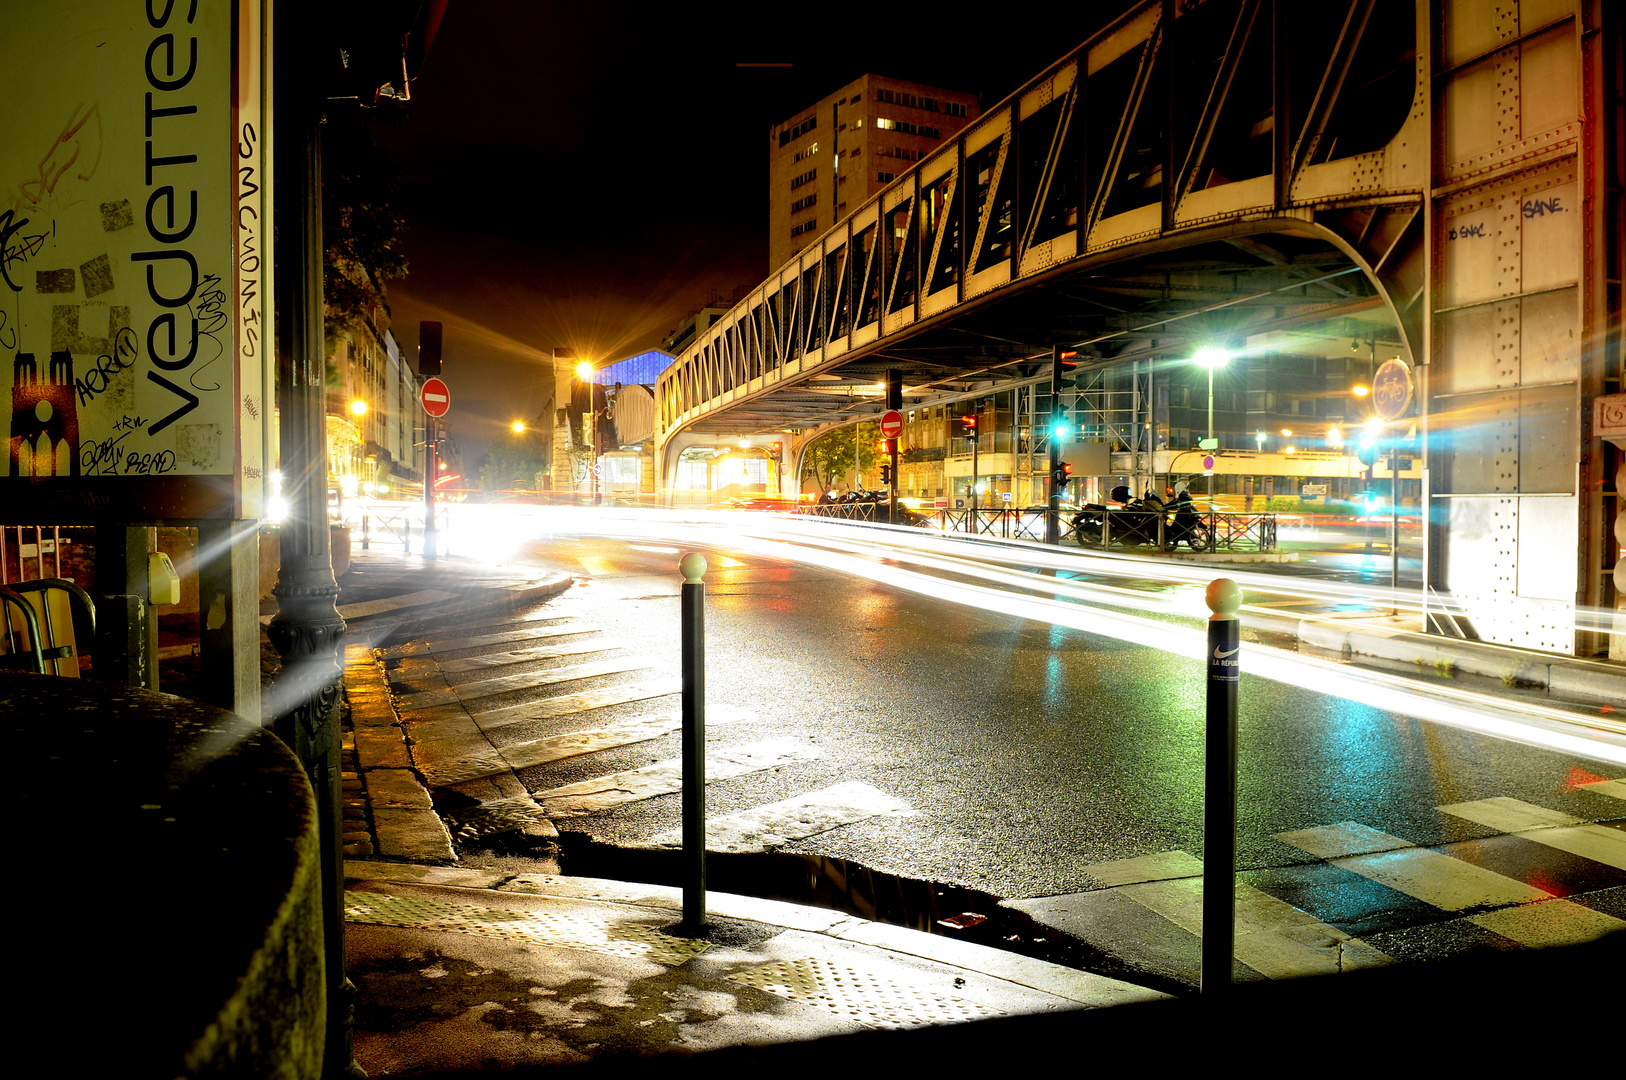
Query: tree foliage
point(361, 228)
point(514, 461)
point(829, 458)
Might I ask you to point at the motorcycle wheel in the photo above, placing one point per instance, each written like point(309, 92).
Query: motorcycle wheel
point(1201, 538)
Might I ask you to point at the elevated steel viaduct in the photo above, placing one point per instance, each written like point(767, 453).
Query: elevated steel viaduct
point(1210, 171)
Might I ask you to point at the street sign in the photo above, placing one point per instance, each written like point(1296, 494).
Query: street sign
point(1208, 462)
point(891, 424)
point(436, 399)
point(1392, 389)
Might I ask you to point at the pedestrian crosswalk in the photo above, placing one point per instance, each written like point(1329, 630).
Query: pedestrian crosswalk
point(448, 687)
point(511, 715)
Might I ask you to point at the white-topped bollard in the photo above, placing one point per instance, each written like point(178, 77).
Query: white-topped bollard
point(1224, 598)
point(693, 568)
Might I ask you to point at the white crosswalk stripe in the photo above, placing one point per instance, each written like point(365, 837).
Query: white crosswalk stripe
point(1615, 789)
point(764, 828)
point(559, 628)
point(534, 752)
point(1434, 878)
point(569, 704)
point(1273, 938)
point(509, 684)
point(526, 656)
point(1552, 922)
point(1542, 826)
point(666, 777)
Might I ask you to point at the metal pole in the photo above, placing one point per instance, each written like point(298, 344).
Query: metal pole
point(1224, 597)
point(976, 441)
point(307, 630)
point(693, 568)
point(1394, 519)
point(431, 469)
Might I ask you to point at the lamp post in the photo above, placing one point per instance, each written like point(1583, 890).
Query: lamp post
point(1211, 359)
point(584, 372)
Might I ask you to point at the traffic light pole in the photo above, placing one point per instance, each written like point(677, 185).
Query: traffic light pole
point(431, 469)
point(1052, 516)
point(894, 403)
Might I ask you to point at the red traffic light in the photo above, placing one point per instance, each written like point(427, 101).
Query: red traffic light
point(970, 422)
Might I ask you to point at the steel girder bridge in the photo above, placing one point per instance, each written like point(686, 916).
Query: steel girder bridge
point(1447, 170)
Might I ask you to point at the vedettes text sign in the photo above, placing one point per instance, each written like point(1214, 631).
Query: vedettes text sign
point(134, 309)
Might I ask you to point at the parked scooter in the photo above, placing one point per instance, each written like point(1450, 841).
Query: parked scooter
point(1134, 522)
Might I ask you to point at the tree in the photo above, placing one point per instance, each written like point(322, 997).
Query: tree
point(360, 227)
point(514, 460)
point(829, 458)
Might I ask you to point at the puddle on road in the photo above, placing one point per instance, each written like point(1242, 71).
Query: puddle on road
point(933, 907)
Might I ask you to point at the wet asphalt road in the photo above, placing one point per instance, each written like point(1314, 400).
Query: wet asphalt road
point(1024, 751)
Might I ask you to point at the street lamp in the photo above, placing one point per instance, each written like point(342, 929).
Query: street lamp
point(584, 372)
point(517, 427)
point(358, 408)
point(1211, 359)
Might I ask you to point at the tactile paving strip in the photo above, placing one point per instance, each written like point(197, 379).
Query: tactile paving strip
point(572, 930)
point(858, 996)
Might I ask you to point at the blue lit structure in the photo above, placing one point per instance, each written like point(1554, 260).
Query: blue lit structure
point(640, 370)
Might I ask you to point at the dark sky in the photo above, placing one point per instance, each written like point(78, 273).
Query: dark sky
point(585, 175)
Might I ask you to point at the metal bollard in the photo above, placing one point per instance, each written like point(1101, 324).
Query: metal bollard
point(693, 568)
point(1224, 597)
point(364, 531)
point(406, 536)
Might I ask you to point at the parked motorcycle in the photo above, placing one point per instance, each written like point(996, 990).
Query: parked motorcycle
point(1134, 523)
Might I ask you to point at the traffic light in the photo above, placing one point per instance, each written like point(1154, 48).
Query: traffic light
point(886, 474)
point(429, 337)
point(1061, 476)
point(775, 447)
point(970, 423)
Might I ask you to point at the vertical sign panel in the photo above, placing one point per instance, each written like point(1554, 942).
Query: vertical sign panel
point(123, 385)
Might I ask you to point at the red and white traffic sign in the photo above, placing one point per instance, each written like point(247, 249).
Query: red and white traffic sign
point(435, 397)
point(891, 424)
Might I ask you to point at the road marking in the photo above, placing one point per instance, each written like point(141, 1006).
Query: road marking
point(1447, 883)
point(1273, 938)
point(568, 625)
point(666, 777)
point(1553, 922)
point(1159, 866)
point(526, 656)
point(571, 704)
point(1615, 789)
point(511, 683)
point(764, 828)
point(1543, 826)
point(1344, 838)
point(533, 752)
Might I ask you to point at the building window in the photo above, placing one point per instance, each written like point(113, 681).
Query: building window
point(886, 177)
point(805, 178)
point(809, 152)
point(908, 101)
point(953, 108)
point(906, 128)
point(806, 226)
point(802, 204)
point(900, 152)
point(799, 130)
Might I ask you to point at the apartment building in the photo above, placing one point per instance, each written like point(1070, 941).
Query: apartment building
point(827, 159)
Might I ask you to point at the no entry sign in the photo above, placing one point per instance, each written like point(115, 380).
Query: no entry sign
point(435, 397)
point(891, 424)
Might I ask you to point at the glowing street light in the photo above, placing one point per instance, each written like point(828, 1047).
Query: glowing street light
point(584, 372)
point(517, 427)
point(1211, 359)
point(358, 408)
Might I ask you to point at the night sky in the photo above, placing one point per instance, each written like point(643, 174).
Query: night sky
point(586, 175)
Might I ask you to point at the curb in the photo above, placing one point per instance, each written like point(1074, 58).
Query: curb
point(1585, 679)
point(1083, 987)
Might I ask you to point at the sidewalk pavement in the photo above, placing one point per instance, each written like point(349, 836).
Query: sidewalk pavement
point(458, 969)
